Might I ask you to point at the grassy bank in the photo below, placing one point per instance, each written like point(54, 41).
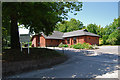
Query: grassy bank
point(15, 61)
point(10, 55)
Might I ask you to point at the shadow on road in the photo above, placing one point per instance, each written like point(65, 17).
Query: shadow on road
point(84, 65)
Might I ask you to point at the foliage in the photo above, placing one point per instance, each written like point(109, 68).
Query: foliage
point(82, 46)
point(111, 35)
point(105, 37)
point(5, 37)
point(100, 41)
point(71, 46)
point(108, 34)
point(112, 39)
point(118, 37)
point(67, 26)
point(92, 28)
point(25, 44)
point(63, 45)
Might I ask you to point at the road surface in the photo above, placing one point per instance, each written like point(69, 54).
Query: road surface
point(100, 63)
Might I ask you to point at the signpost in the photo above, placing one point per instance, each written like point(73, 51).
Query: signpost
point(28, 48)
point(25, 38)
point(21, 46)
point(63, 49)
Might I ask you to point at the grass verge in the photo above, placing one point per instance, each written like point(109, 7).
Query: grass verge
point(15, 61)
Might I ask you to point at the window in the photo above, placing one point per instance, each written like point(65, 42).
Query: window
point(51, 40)
point(89, 38)
point(68, 40)
point(74, 39)
point(96, 38)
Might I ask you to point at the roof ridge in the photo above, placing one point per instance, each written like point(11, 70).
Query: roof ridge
point(74, 31)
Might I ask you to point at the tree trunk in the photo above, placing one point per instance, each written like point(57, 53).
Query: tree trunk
point(15, 43)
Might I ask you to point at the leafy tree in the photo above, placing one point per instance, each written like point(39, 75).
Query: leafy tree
point(112, 33)
point(105, 37)
point(112, 39)
point(112, 27)
point(92, 28)
point(39, 16)
point(67, 26)
point(118, 37)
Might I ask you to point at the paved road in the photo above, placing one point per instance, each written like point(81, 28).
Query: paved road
point(81, 64)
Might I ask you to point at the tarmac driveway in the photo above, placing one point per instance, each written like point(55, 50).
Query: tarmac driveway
point(81, 64)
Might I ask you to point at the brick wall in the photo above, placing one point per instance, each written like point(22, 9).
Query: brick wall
point(42, 41)
point(81, 39)
point(35, 41)
point(53, 42)
point(92, 40)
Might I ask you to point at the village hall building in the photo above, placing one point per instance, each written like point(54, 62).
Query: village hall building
point(69, 38)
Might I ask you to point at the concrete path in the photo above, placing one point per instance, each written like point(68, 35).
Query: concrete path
point(81, 64)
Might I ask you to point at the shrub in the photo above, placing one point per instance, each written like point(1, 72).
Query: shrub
point(86, 45)
point(77, 46)
point(82, 46)
point(71, 46)
point(91, 47)
point(63, 45)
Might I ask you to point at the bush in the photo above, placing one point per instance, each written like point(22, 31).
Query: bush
point(71, 46)
point(63, 45)
point(82, 46)
point(77, 46)
point(91, 47)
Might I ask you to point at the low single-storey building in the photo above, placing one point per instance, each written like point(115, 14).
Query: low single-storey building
point(69, 38)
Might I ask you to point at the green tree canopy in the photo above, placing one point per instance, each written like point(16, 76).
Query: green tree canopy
point(112, 39)
point(67, 26)
point(92, 28)
point(39, 16)
point(112, 33)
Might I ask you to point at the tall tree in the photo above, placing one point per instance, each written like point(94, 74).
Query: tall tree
point(112, 32)
point(67, 26)
point(92, 28)
point(39, 16)
point(112, 39)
